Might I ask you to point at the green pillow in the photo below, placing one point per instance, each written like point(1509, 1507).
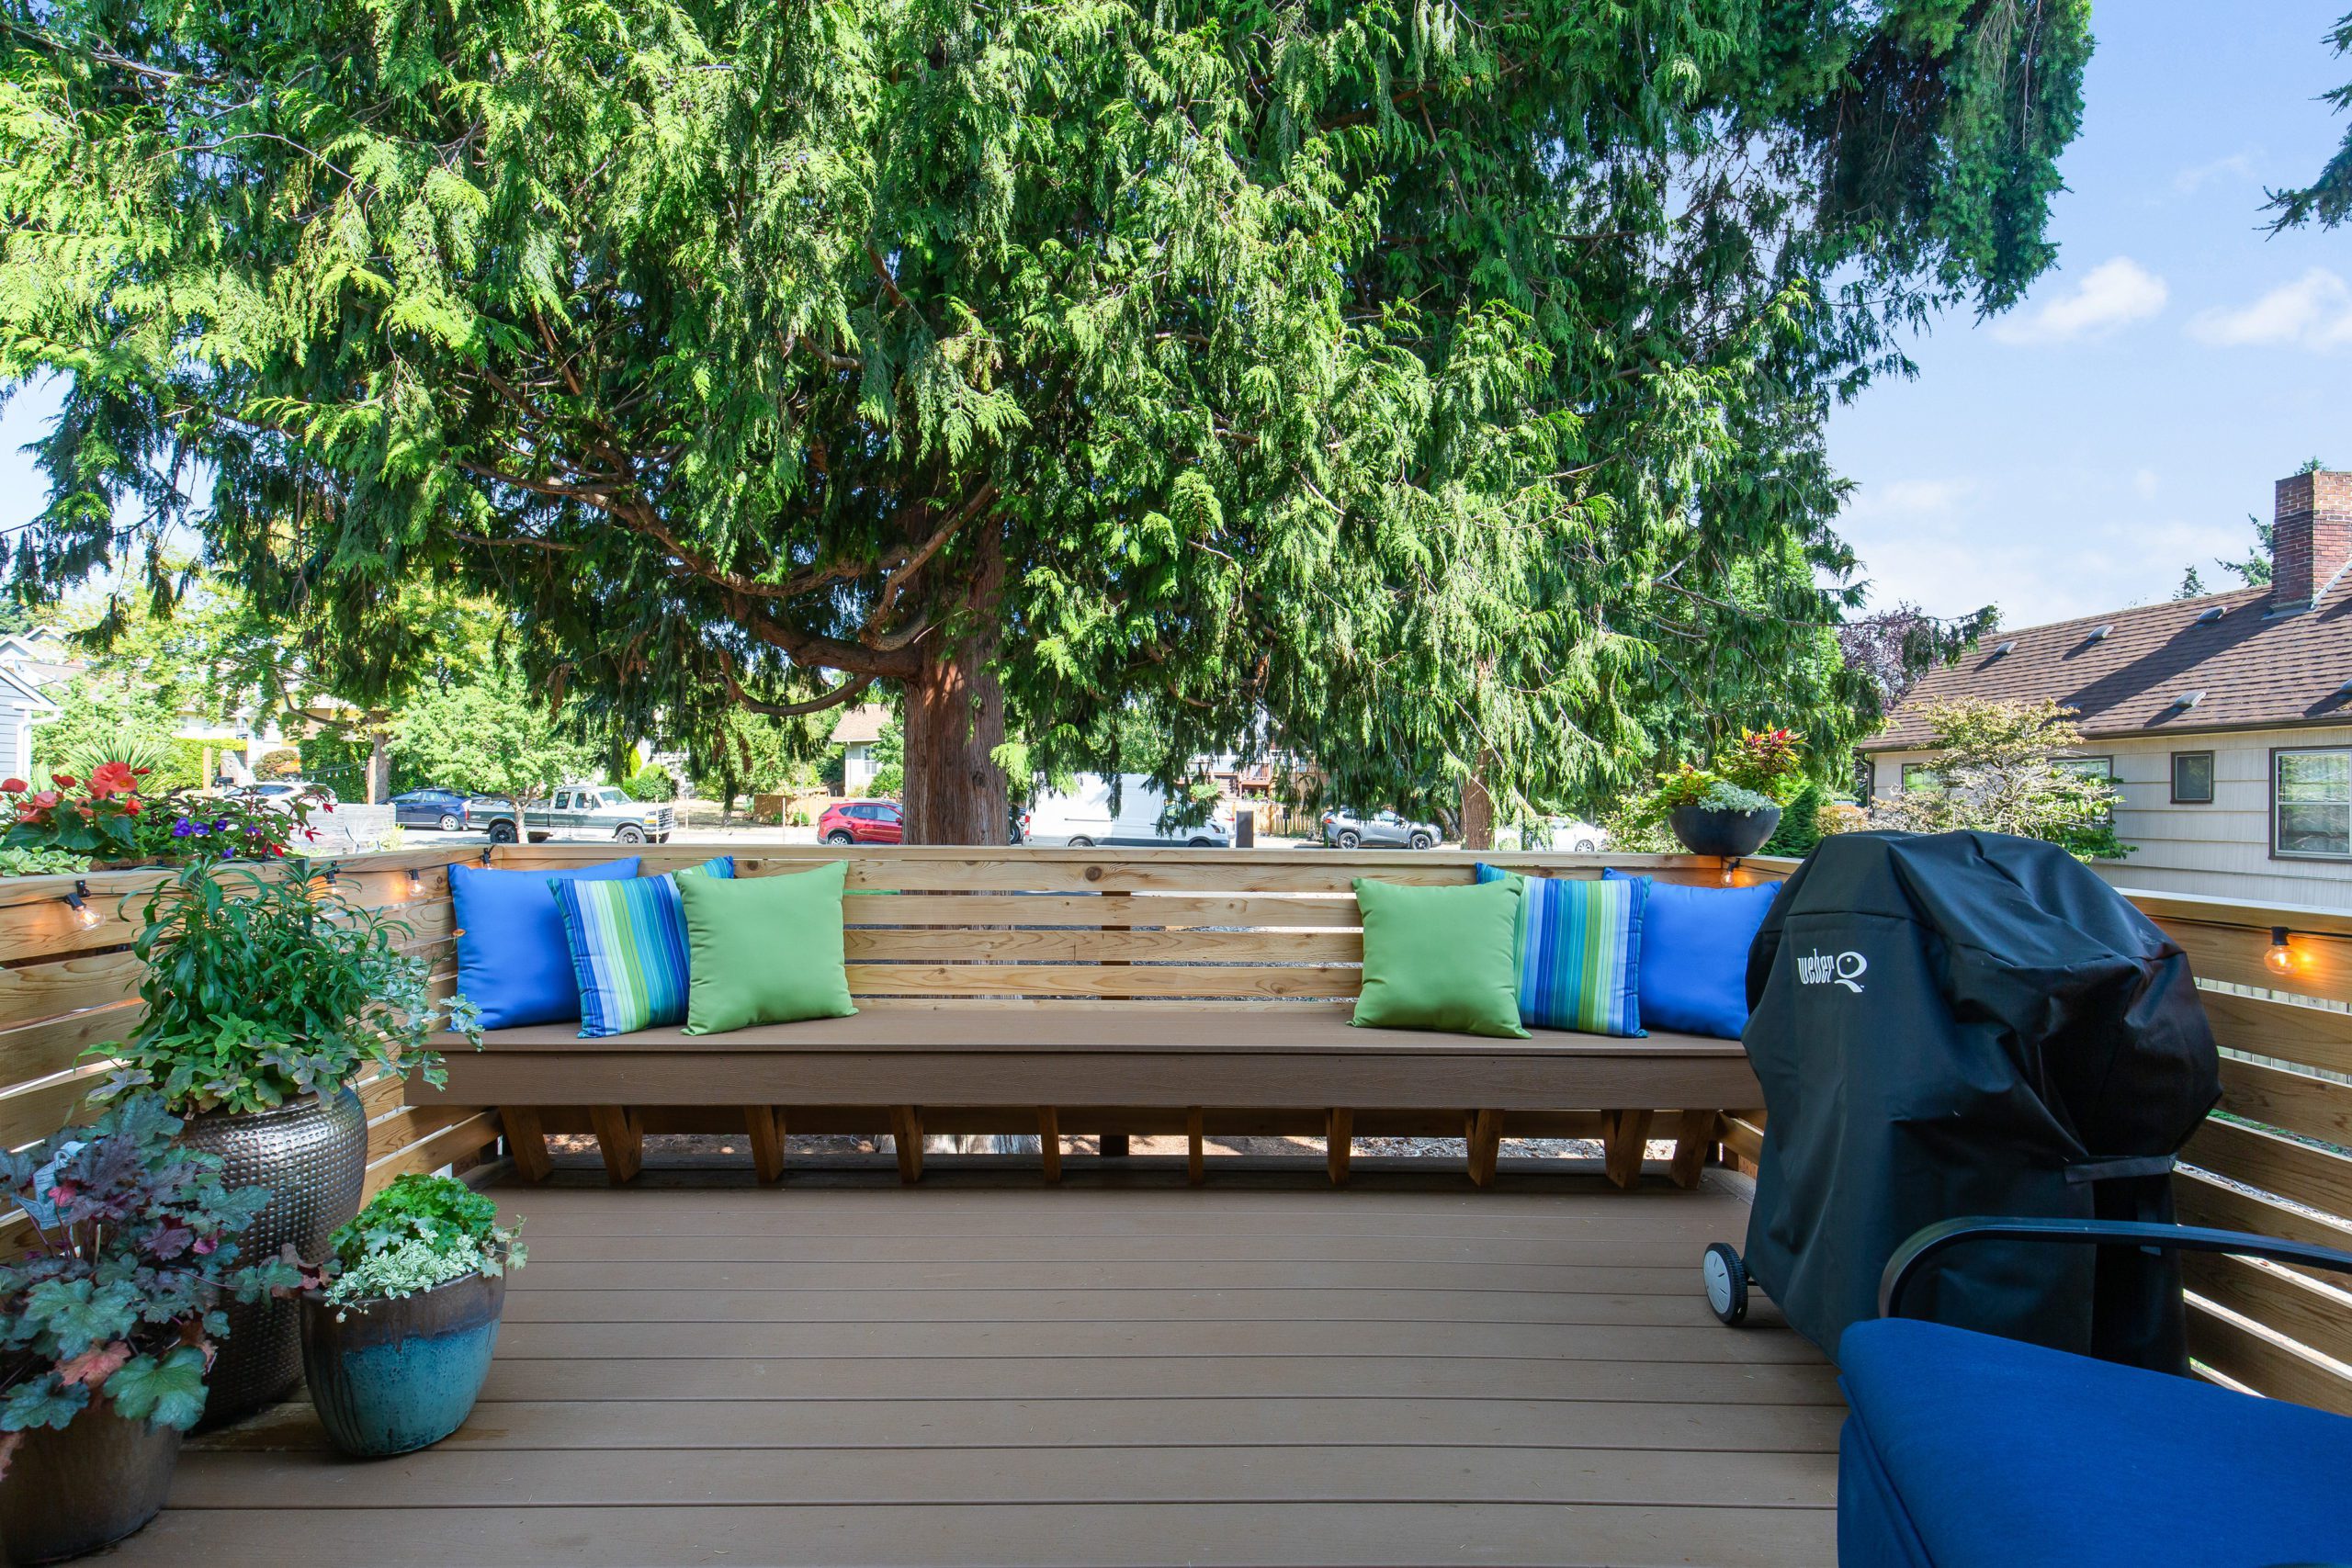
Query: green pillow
point(1441, 957)
point(764, 949)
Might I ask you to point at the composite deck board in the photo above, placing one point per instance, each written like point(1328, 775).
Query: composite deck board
point(835, 1373)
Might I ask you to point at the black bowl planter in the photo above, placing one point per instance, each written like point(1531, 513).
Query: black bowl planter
point(312, 1155)
point(1733, 835)
point(72, 1492)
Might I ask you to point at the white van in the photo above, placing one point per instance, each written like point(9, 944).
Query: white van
point(1083, 815)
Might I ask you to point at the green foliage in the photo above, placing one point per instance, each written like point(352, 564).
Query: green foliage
point(285, 763)
point(651, 781)
point(2003, 770)
point(117, 1291)
point(2327, 200)
point(888, 780)
point(18, 860)
point(832, 772)
point(261, 986)
point(1427, 390)
point(489, 736)
point(1767, 762)
point(101, 818)
point(419, 1232)
point(1799, 827)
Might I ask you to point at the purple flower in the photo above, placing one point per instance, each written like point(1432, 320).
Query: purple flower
point(183, 828)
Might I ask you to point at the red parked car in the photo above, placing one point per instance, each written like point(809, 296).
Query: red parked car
point(862, 822)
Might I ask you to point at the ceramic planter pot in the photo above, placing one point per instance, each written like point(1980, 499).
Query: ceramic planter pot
point(391, 1376)
point(1733, 835)
point(71, 1492)
point(312, 1155)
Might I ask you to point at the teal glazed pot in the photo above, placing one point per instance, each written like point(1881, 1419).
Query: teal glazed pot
point(391, 1376)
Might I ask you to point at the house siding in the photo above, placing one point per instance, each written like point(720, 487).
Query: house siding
point(2222, 850)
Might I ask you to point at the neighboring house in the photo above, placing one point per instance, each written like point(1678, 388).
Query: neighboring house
point(22, 705)
point(2225, 720)
point(859, 728)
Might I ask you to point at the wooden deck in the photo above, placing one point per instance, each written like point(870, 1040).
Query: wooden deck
point(1119, 1371)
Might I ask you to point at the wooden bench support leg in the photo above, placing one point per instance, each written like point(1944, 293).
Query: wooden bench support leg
point(766, 1125)
point(1049, 1141)
point(1196, 1167)
point(1485, 1146)
point(526, 1141)
point(620, 1138)
point(1623, 1138)
point(1340, 1142)
point(906, 1131)
point(1692, 1140)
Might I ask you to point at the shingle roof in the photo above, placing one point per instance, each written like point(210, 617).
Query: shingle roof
point(2256, 670)
point(861, 725)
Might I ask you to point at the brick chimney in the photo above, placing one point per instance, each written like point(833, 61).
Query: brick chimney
point(2311, 539)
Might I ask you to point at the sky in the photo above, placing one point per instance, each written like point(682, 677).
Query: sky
point(2078, 453)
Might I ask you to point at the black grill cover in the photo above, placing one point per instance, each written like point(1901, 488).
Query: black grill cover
point(1971, 1023)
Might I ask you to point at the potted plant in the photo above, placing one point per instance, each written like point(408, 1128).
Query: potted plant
point(1730, 810)
point(106, 819)
point(266, 992)
point(106, 1321)
point(399, 1328)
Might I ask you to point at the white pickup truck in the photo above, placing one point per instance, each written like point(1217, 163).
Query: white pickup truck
point(600, 813)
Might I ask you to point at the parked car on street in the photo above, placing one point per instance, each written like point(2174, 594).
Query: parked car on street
point(862, 822)
point(1347, 829)
point(430, 807)
point(1085, 814)
point(1571, 834)
point(281, 792)
point(579, 812)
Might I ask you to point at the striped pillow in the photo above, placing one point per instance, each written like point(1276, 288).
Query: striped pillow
point(628, 947)
point(1579, 954)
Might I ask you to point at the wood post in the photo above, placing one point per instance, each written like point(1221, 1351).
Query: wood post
point(1195, 1170)
point(1485, 1146)
point(1049, 1141)
point(1693, 1138)
point(526, 1141)
point(766, 1125)
point(1339, 1142)
point(620, 1138)
point(1624, 1135)
point(906, 1132)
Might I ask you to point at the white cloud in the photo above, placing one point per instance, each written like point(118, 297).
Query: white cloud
point(2313, 313)
point(2110, 296)
point(2237, 167)
point(2144, 484)
point(1908, 500)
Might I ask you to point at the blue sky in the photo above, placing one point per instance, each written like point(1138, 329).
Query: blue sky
point(2074, 455)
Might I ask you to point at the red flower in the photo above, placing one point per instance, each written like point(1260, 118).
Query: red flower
point(85, 811)
point(143, 773)
point(133, 806)
point(14, 786)
point(64, 781)
point(113, 778)
point(47, 798)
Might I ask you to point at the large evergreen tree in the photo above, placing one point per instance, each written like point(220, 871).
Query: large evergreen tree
point(1435, 388)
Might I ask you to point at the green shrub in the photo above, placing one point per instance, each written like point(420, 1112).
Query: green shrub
point(889, 780)
point(17, 860)
point(419, 1232)
point(283, 763)
point(1799, 827)
point(651, 781)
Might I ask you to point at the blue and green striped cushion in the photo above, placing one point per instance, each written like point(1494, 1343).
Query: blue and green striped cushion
point(1579, 954)
point(628, 947)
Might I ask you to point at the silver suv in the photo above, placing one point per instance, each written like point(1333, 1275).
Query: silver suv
point(1346, 829)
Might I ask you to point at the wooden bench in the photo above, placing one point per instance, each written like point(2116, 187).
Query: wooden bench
point(1150, 991)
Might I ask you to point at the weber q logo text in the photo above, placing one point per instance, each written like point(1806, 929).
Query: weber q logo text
point(1823, 969)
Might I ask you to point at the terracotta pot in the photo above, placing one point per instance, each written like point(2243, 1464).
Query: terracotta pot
point(1733, 835)
point(389, 1376)
point(312, 1155)
point(71, 1492)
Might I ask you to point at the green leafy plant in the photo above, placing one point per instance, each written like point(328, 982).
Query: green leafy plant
point(98, 818)
point(220, 827)
point(285, 763)
point(419, 1232)
point(651, 781)
point(261, 986)
point(2003, 769)
point(19, 860)
point(1768, 761)
point(133, 1242)
point(888, 780)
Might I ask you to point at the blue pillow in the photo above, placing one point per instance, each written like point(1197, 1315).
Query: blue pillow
point(1694, 953)
point(1579, 947)
point(628, 948)
point(512, 961)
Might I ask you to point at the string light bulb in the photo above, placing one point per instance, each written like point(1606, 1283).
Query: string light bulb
point(415, 880)
point(84, 912)
point(2279, 958)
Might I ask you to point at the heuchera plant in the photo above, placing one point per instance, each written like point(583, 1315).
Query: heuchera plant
point(419, 1232)
point(134, 1245)
point(263, 987)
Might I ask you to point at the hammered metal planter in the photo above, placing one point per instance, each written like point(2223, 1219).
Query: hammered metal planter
point(312, 1155)
point(388, 1377)
point(93, 1483)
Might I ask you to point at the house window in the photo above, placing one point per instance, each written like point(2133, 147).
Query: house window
point(2311, 803)
point(2100, 768)
point(1918, 776)
point(2192, 778)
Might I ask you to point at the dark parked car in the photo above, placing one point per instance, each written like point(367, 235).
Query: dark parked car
point(430, 807)
point(862, 822)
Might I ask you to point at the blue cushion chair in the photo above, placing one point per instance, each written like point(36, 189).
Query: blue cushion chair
point(1969, 1451)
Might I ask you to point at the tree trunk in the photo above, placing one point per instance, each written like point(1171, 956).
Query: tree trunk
point(953, 792)
point(1479, 806)
point(380, 767)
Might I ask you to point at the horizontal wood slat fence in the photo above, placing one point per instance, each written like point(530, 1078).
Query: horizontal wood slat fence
point(1253, 930)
